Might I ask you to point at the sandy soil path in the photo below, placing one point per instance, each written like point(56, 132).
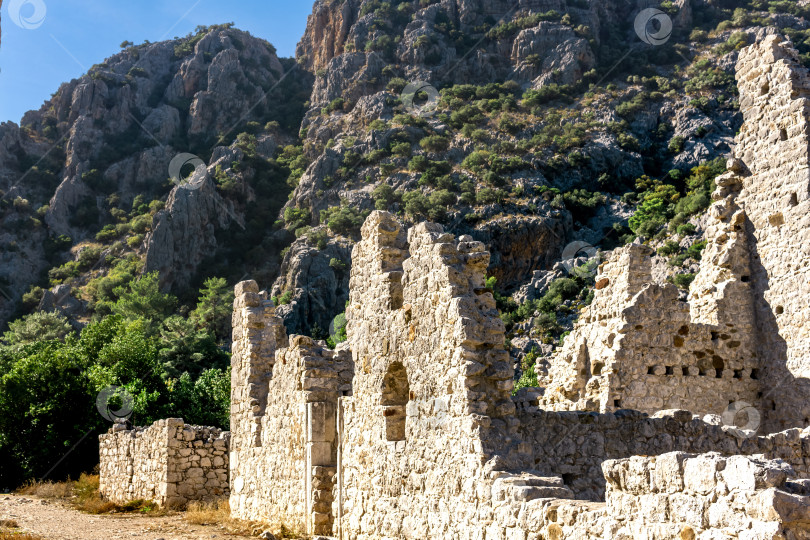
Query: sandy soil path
point(54, 520)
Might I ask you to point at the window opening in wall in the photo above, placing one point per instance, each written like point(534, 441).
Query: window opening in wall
point(395, 394)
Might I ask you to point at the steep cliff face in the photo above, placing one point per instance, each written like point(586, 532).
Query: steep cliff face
point(519, 119)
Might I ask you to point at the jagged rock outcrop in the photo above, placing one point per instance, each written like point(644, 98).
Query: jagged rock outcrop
point(522, 244)
point(184, 234)
point(317, 281)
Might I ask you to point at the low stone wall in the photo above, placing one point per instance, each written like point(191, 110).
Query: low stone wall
point(684, 496)
point(168, 462)
point(575, 444)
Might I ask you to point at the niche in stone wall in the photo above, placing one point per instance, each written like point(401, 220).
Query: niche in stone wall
point(395, 394)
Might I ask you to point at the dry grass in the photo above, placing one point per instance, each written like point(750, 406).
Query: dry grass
point(47, 490)
point(6, 534)
point(11, 535)
point(215, 513)
point(83, 495)
point(219, 513)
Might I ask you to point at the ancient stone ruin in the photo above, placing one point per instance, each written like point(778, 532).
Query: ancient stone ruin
point(410, 429)
point(743, 336)
point(169, 462)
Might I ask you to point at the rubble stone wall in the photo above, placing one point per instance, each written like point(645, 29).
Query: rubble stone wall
point(773, 147)
point(169, 462)
point(284, 416)
point(684, 496)
point(576, 444)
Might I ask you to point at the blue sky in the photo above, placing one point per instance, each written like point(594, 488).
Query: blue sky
point(75, 34)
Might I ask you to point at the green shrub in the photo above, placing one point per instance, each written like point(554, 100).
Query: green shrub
point(344, 220)
point(434, 143)
point(683, 281)
point(677, 144)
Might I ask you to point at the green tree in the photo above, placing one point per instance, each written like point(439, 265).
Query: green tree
point(142, 299)
point(40, 326)
point(214, 308)
point(186, 348)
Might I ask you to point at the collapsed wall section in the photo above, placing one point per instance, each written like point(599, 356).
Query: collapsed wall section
point(169, 462)
point(685, 496)
point(576, 444)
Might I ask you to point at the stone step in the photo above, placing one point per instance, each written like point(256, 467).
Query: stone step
point(525, 487)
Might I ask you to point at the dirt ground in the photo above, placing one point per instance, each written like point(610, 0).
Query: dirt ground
point(55, 520)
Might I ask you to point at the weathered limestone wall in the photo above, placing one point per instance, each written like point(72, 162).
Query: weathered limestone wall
point(168, 462)
point(685, 496)
point(638, 346)
point(284, 466)
point(576, 444)
point(773, 147)
point(430, 430)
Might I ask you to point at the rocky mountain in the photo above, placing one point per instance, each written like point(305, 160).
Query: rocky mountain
point(532, 126)
point(92, 179)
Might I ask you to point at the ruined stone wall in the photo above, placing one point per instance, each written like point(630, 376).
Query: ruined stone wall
point(684, 496)
point(168, 462)
point(773, 147)
point(430, 429)
point(284, 467)
point(575, 444)
point(638, 346)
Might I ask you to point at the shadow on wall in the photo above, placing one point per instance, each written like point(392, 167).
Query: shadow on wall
point(785, 399)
